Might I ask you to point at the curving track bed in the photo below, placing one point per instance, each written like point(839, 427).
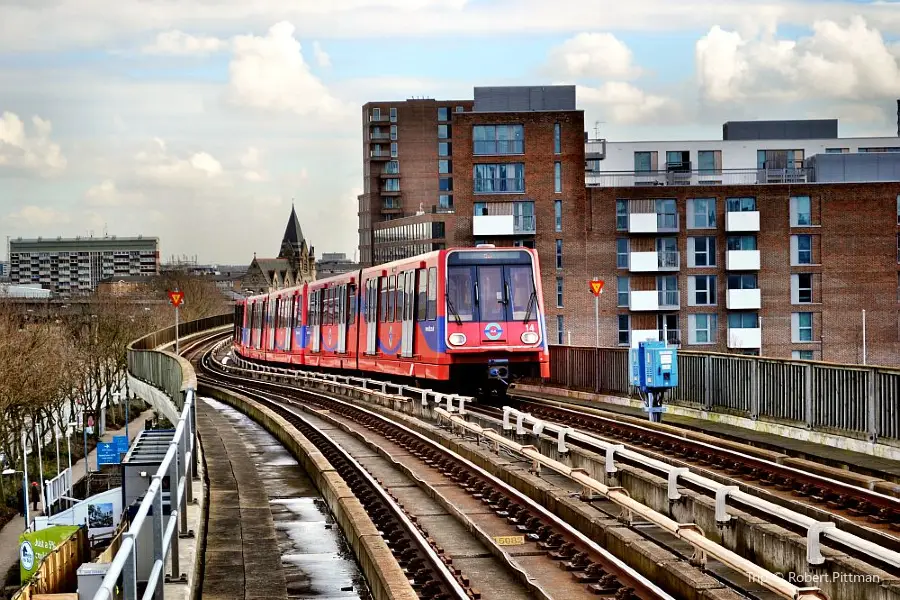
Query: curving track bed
point(457, 530)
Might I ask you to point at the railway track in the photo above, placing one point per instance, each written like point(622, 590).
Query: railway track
point(553, 558)
point(859, 505)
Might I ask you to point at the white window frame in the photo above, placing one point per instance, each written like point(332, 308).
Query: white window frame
point(711, 329)
point(692, 252)
point(627, 250)
point(795, 212)
point(623, 285)
point(795, 250)
point(691, 213)
point(795, 288)
point(795, 328)
point(710, 289)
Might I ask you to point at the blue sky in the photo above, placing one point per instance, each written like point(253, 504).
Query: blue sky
point(151, 117)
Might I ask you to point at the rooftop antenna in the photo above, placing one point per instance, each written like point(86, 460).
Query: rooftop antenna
point(597, 129)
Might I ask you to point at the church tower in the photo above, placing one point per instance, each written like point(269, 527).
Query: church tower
point(295, 250)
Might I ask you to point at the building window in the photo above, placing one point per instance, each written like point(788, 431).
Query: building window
point(621, 215)
point(746, 281)
point(445, 201)
point(624, 330)
point(743, 320)
point(445, 184)
point(742, 242)
point(500, 178)
point(559, 292)
point(393, 132)
point(559, 254)
point(557, 177)
point(740, 204)
point(392, 167)
point(393, 115)
point(702, 290)
point(560, 330)
point(443, 132)
point(898, 209)
point(666, 214)
point(622, 253)
point(667, 290)
point(557, 138)
point(801, 211)
point(392, 185)
point(557, 209)
point(802, 355)
point(393, 149)
point(701, 252)
point(801, 288)
point(709, 162)
point(646, 161)
point(443, 113)
point(837, 150)
point(444, 149)
point(444, 166)
point(801, 250)
point(460, 109)
point(492, 140)
point(702, 328)
point(802, 327)
point(701, 213)
point(623, 288)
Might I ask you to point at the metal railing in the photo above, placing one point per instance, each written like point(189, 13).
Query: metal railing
point(175, 376)
point(698, 177)
point(852, 400)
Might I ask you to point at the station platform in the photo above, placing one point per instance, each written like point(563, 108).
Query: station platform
point(837, 457)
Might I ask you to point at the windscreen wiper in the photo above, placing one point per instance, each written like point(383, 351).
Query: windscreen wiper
point(452, 309)
point(531, 303)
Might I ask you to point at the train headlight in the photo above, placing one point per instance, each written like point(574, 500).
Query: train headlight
point(530, 337)
point(457, 339)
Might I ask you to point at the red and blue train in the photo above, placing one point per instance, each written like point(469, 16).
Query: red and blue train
point(470, 316)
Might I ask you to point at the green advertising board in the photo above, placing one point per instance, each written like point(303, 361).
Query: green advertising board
point(35, 545)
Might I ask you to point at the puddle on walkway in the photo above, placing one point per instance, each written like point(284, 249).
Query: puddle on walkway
point(317, 561)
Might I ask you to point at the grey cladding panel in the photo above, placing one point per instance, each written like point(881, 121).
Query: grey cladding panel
point(845, 168)
point(811, 129)
point(524, 98)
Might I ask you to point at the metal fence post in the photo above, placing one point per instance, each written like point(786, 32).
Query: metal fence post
point(159, 553)
point(754, 389)
point(873, 405)
point(129, 573)
point(195, 443)
point(707, 380)
point(808, 396)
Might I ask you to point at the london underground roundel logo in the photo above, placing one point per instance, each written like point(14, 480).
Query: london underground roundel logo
point(493, 331)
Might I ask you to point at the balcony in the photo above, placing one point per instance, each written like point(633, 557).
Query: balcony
point(742, 221)
point(652, 223)
point(698, 177)
point(742, 260)
point(380, 135)
point(744, 339)
point(652, 300)
point(379, 118)
point(654, 262)
point(673, 336)
point(390, 192)
point(380, 155)
point(488, 225)
point(743, 300)
point(390, 174)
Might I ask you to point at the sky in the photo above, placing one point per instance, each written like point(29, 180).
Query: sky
point(200, 121)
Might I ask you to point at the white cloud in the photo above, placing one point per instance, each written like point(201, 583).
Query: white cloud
point(178, 43)
point(156, 166)
point(34, 152)
point(250, 160)
point(623, 103)
point(850, 62)
point(322, 58)
point(270, 73)
point(107, 194)
point(594, 55)
point(37, 216)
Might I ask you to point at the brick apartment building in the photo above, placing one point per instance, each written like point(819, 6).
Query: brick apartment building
point(772, 240)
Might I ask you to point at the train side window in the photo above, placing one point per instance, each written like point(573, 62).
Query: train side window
point(432, 294)
point(351, 296)
point(344, 306)
point(421, 304)
point(392, 285)
point(401, 296)
point(298, 317)
point(382, 292)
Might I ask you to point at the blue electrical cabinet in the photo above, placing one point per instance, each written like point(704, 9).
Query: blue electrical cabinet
point(654, 369)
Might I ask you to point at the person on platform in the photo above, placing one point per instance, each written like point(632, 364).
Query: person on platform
point(35, 495)
point(20, 497)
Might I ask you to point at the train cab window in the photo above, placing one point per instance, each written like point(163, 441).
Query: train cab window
point(422, 295)
point(461, 293)
point(392, 285)
point(491, 294)
point(431, 313)
point(523, 297)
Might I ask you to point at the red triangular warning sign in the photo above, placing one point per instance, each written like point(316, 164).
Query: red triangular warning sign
point(597, 286)
point(176, 298)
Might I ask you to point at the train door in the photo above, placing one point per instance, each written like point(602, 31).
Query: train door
point(315, 319)
point(270, 323)
point(409, 326)
point(342, 319)
point(371, 315)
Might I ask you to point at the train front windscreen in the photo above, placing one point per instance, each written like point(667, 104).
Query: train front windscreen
point(491, 287)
